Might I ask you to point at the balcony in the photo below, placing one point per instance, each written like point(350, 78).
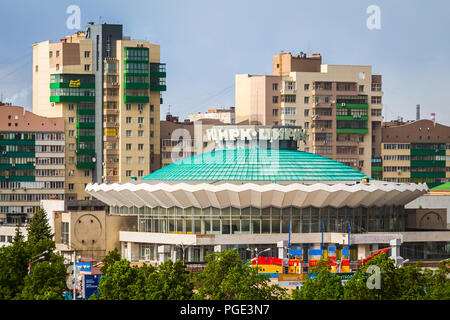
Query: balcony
point(351, 130)
point(136, 99)
point(158, 87)
point(158, 70)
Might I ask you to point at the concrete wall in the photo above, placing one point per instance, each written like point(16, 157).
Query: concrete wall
point(432, 202)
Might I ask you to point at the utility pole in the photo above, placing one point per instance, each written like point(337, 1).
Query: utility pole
point(74, 275)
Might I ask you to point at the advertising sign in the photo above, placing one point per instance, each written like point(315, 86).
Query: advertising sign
point(84, 266)
point(90, 285)
point(290, 280)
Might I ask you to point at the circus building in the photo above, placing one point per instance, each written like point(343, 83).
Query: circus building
point(251, 197)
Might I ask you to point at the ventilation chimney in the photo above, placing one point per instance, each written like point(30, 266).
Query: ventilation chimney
point(417, 112)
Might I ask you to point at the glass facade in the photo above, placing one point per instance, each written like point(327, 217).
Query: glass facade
point(268, 220)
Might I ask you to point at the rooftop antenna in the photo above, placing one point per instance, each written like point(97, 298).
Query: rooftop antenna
point(169, 109)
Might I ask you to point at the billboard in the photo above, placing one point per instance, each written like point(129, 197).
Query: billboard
point(90, 285)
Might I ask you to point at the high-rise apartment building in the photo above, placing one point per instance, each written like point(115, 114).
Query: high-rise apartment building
point(108, 88)
point(415, 151)
point(32, 162)
point(340, 106)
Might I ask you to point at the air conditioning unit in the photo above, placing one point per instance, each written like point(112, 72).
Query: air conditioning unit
point(343, 104)
point(399, 172)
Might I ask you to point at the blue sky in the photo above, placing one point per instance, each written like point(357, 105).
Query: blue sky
point(206, 42)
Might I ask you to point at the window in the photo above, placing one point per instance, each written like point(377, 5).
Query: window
point(57, 53)
point(87, 54)
point(141, 160)
point(361, 150)
point(275, 99)
point(128, 173)
point(361, 88)
point(71, 160)
point(306, 86)
point(71, 146)
point(128, 160)
point(128, 120)
point(36, 68)
point(151, 134)
point(140, 107)
point(375, 100)
point(140, 146)
point(140, 120)
point(274, 86)
point(152, 120)
point(376, 112)
point(151, 148)
point(306, 112)
point(70, 186)
point(128, 106)
point(70, 106)
point(290, 85)
point(128, 133)
point(87, 67)
point(140, 133)
point(274, 112)
point(288, 111)
point(288, 98)
point(86, 173)
point(128, 146)
point(361, 163)
point(152, 108)
point(71, 119)
point(306, 125)
point(140, 173)
point(306, 99)
point(71, 133)
point(50, 54)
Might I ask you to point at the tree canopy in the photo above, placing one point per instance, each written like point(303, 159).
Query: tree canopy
point(226, 277)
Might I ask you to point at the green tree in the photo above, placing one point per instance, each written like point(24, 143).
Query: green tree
point(39, 229)
point(170, 281)
point(13, 269)
point(438, 286)
point(47, 280)
point(111, 258)
point(122, 281)
point(225, 277)
point(326, 286)
point(397, 283)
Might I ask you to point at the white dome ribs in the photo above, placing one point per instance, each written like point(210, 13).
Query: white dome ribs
point(203, 195)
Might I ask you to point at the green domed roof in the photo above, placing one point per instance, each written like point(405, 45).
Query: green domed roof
point(256, 165)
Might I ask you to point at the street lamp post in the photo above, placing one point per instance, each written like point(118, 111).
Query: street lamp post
point(32, 260)
point(257, 255)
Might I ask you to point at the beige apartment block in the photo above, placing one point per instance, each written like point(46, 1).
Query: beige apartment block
point(55, 65)
point(340, 106)
point(108, 89)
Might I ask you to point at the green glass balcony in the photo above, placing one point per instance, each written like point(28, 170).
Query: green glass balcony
point(86, 125)
point(135, 99)
point(85, 165)
point(352, 105)
point(427, 152)
point(437, 174)
point(158, 87)
point(352, 118)
point(72, 98)
point(349, 130)
point(428, 163)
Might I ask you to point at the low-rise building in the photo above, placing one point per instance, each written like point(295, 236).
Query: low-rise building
point(226, 116)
